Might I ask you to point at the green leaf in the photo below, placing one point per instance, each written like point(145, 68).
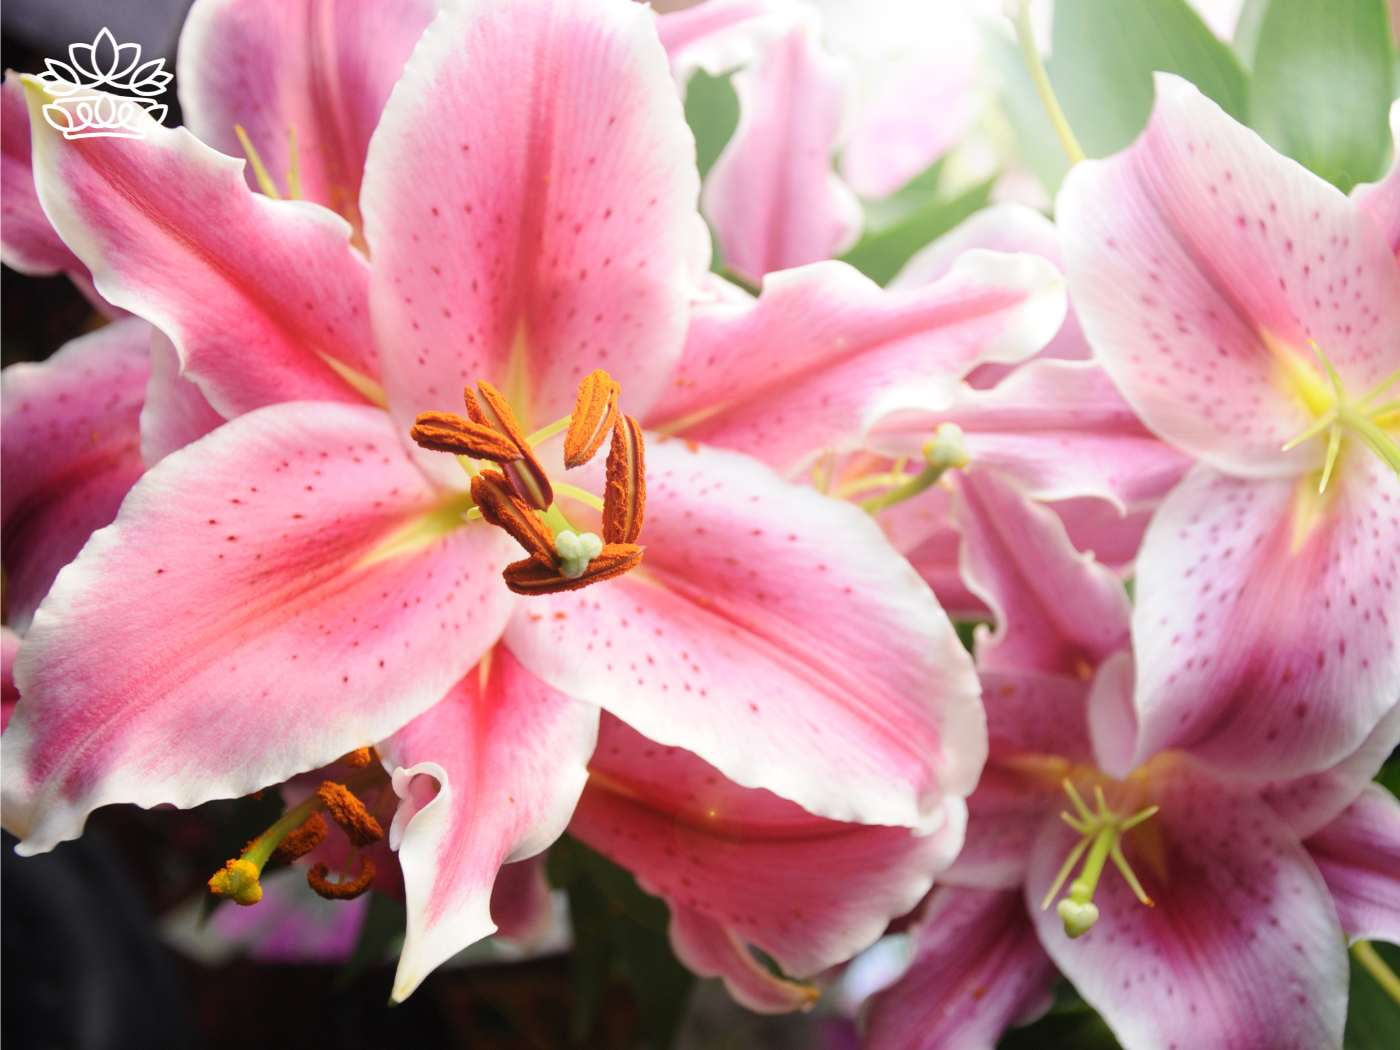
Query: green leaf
point(619, 932)
point(897, 227)
point(1105, 52)
point(1373, 1018)
point(712, 111)
point(1322, 85)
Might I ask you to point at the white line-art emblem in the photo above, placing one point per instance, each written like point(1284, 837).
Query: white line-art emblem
point(79, 112)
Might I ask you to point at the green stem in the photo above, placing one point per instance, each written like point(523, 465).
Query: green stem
point(1364, 953)
point(582, 495)
point(1041, 79)
point(545, 433)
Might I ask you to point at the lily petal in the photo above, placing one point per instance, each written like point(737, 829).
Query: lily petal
point(175, 413)
point(1359, 856)
point(803, 367)
point(28, 241)
point(1381, 200)
point(318, 71)
point(9, 695)
point(810, 892)
point(977, 970)
point(720, 35)
point(1242, 943)
point(1264, 632)
point(70, 452)
point(521, 904)
point(775, 633)
point(561, 237)
point(509, 756)
point(277, 594)
point(772, 195)
point(1004, 817)
point(257, 295)
point(1058, 428)
point(1201, 263)
point(711, 949)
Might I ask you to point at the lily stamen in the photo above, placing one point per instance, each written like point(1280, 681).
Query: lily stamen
point(1101, 830)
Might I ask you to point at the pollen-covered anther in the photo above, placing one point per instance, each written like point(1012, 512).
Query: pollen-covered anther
point(318, 878)
point(298, 843)
point(524, 472)
point(360, 758)
point(530, 577)
point(594, 414)
point(625, 497)
point(500, 506)
point(350, 813)
point(445, 432)
point(238, 881)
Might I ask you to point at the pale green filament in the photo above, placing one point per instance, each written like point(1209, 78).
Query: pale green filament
point(943, 452)
point(1370, 959)
point(1101, 832)
point(1368, 422)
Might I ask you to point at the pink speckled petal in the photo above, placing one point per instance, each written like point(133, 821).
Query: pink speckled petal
point(175, 412)
point(1381, 200)
point(977, 970)
point(320, 69)
point(1056, 609)
point(1243, 942)
point(774, 632)
point(509, 757)
point(1200, 261)
point(710, 949)
point(69, 450)
point(256, 294)
point(1359, 856)
point(267, 599)
point(28, 241)
point(1004, 816)
point(810, 892)
point(521, 905)
point(1266, 641)
point(772, 195)
point(1308, 803)
point(804, 366)
point(1058, 428)
point(549, 231)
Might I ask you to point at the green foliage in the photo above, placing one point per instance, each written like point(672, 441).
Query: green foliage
point(1105, 52)
point(712, 111)
point(1373, 1018)
point(619, 933)
point(1071, 1024)
point(901, 224)
point(1323, 76)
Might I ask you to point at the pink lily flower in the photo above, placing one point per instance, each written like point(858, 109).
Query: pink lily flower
point(1250, 315)
point(1192, 911)
point(740, 866)
point(298, 584)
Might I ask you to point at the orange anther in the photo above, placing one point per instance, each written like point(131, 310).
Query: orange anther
point(595, 412)
point(445, 432)
point(625, 498)
point(350, 813)
point(500, 506)
point(298, 843)
point(526, 475)
point(318, 878)
point(530, 577)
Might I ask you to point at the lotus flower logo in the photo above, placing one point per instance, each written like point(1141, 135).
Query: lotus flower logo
point(80, 112)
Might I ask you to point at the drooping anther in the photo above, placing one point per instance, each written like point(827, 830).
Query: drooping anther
point(526, 475)
point(625, 498)
point(318, 878)
point(500, 506)
point(445, 432)
point(350, 813)
point(530, 577)
point(595, 411)
point(360, 758)
point(303, 840)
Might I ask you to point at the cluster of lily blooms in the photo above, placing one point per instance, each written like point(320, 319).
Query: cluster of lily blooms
point(253, 537)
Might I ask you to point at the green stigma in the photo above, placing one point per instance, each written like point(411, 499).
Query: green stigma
point(1101, 833)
